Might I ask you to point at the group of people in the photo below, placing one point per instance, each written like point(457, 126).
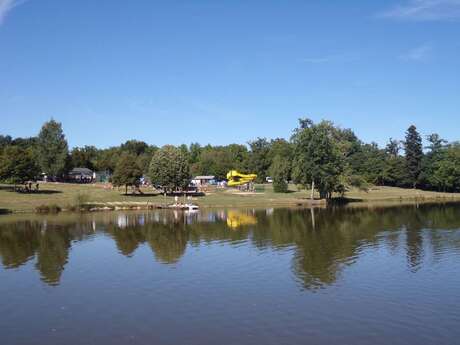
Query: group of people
point(29, 187)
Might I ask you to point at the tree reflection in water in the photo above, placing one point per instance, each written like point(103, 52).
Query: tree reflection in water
point(324, 241)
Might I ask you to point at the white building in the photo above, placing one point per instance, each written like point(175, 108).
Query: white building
point(200, 181)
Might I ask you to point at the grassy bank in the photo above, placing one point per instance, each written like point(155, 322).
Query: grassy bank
point(67, 196)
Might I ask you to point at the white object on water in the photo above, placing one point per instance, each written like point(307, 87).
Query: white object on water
point(192, 207)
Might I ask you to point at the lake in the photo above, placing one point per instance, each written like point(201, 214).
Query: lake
point(240, 276)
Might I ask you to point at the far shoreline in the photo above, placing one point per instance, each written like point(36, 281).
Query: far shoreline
point(99, 197)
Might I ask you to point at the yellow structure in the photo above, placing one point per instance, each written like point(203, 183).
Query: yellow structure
point(236, 178)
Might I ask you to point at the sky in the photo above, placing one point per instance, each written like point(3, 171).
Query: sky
point(220, 72)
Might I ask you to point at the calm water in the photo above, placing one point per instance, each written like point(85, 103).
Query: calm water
point(275, 276)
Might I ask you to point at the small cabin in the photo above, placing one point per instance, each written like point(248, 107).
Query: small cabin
point(202, 181)
point(81, 175)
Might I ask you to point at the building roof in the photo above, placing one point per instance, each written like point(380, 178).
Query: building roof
point(81, 171)
point(204, 177)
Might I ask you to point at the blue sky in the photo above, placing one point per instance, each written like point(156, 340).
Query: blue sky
point(228, 71)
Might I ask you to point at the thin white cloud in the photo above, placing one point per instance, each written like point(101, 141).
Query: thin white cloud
point(425, 10)
point(419, 53)
point(6, 6)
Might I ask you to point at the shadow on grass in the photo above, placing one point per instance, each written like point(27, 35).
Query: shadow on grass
point(343, 201)
point(43, 191)
point(7, 188)
point(145, 195)
point(5, 211)
point(149, 195)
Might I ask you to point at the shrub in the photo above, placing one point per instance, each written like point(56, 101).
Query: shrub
point(53, 208)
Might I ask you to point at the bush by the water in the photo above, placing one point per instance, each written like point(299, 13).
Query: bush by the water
point(53, 208)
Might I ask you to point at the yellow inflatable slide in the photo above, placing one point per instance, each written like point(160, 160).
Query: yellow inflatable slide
point(236, 178)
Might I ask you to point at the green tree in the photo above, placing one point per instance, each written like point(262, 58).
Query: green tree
point(134, 147)
point(83, 157)
point(185, 151)
point(107, 159)
point(414, 154)
point(445, 170)
point(195, 152)
point(368, 162)
point(436, 142)
point(395, 172)
point(5, 140)
point(431, 161)
point(280, 171)
point(393, 147)
point(52, 149)
point(260, 158)
point(141, 150)
point(127, 172)
point(18, 165)
point(239, 156)
point(283, 148)
point(318, 159)
point(213, 161)
point(218, 160)
point(170, 169)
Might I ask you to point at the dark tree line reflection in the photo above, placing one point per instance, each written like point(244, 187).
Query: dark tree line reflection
point(323, 241)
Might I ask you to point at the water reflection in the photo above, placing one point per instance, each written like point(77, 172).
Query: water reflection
point(323, 241)
point(236, 219)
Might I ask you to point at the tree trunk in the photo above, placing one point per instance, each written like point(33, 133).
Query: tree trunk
point(126, 189)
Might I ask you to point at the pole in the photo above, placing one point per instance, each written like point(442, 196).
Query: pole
point(312, 195)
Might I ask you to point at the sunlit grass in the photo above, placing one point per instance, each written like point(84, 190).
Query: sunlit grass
point(68, 195)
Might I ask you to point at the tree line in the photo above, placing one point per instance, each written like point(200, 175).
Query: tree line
point(320, 156)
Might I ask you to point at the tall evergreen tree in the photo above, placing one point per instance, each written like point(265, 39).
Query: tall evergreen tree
point(414, 154)
point(52, 149)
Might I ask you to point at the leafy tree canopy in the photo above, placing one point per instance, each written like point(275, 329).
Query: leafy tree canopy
point(18, 165)
point(170, 168)
point(319, 159)
point(280, 171)
point(127, 172)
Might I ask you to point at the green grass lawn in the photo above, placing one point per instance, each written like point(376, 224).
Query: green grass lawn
point(65, 195)
point(378, 193)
